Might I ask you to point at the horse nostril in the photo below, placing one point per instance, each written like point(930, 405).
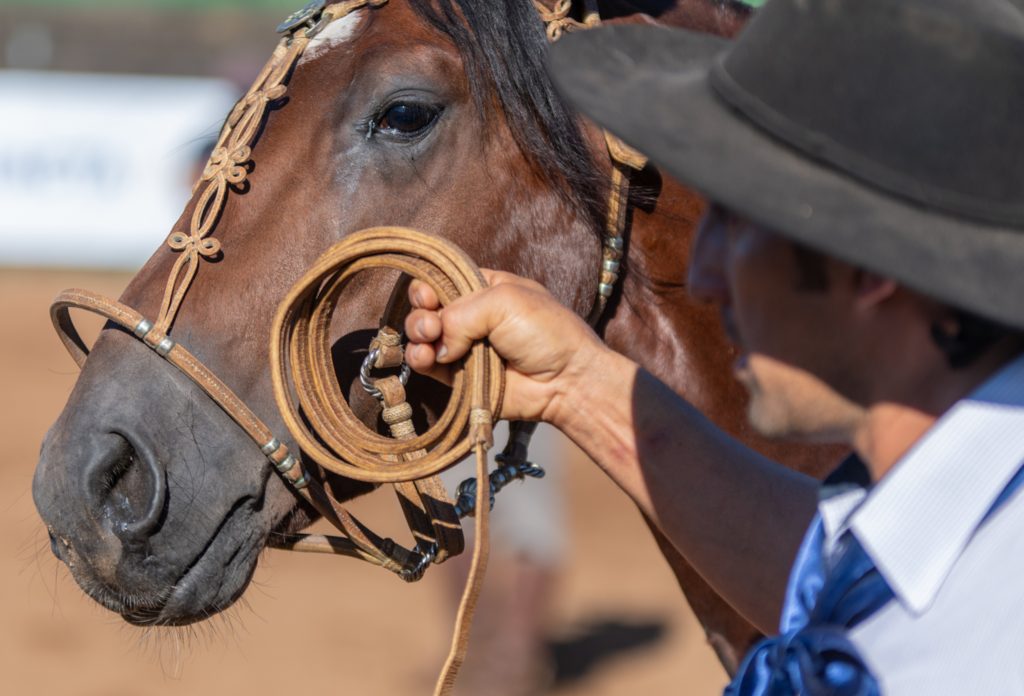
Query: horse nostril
point(128, 490)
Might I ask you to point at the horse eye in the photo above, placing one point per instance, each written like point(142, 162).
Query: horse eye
point(406, 118)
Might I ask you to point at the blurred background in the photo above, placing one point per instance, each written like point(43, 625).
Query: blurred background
point(107, 110)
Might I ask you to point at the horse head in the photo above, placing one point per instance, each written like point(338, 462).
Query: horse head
point(433, 116)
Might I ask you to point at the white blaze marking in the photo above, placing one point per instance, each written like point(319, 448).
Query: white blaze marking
point(337, 32)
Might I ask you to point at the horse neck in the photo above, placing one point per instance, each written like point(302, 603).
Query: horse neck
point(679, 339)
point(659, 325)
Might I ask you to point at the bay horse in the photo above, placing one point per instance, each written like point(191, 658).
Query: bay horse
point(435, 115)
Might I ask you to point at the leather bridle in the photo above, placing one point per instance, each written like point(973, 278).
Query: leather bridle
point(300, 349)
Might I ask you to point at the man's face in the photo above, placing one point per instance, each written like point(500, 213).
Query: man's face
point(793, 335)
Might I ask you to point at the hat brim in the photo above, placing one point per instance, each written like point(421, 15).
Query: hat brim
point(650, 87)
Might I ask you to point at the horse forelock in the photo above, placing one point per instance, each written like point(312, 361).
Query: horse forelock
point(503, 46)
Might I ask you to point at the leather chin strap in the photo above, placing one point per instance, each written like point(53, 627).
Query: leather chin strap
point(305, 385)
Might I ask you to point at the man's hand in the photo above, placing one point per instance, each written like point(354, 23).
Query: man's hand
point(702, 489)
point(547, 348)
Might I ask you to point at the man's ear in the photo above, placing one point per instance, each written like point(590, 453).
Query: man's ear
point(872, 289)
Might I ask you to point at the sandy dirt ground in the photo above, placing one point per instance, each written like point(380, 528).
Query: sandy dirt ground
point(354, 629)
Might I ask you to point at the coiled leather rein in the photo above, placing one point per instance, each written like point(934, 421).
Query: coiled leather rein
point(301, 348)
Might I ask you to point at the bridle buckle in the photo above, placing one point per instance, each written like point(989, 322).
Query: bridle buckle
point(308, 17)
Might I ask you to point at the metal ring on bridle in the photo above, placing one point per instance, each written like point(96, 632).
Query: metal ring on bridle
point(367, 381)
point(415, 573)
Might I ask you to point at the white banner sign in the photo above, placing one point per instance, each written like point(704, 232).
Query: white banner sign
point(95, 169)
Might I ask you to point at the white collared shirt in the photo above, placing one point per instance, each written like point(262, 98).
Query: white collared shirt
point(956, 625)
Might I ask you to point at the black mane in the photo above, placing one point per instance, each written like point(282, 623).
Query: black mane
point(503, 45)
point(655, 8)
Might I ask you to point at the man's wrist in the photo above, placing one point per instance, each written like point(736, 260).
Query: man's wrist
point(601, 381)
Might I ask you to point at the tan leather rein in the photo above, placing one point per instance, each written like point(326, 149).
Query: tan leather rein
point(302, 369)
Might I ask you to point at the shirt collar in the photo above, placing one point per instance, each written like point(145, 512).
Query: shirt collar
point(916, 522)
point(840, 494)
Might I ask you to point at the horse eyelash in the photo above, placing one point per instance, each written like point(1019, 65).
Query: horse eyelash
point(370, 126)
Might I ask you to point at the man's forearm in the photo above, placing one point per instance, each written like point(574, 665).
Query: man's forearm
point(735, 515)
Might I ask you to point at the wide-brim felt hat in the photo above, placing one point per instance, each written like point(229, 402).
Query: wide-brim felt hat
point(887, 133)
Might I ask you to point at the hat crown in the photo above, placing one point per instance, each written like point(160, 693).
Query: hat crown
point(921, 99)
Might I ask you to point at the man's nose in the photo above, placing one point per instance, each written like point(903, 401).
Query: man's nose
point(706, 276)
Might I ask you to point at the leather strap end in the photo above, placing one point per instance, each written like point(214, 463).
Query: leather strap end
point(624, 154)
point(481, 427)
point(389, 344)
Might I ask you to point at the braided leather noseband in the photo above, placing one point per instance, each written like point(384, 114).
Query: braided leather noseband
point(303, 374)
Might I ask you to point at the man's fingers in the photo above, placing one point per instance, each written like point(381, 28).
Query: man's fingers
point(423, 326)
point(473, 317)
point(422, 296)
point(422, 358)
point(445, 336)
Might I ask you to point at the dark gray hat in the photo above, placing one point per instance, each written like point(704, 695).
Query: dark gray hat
point(889, 133)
